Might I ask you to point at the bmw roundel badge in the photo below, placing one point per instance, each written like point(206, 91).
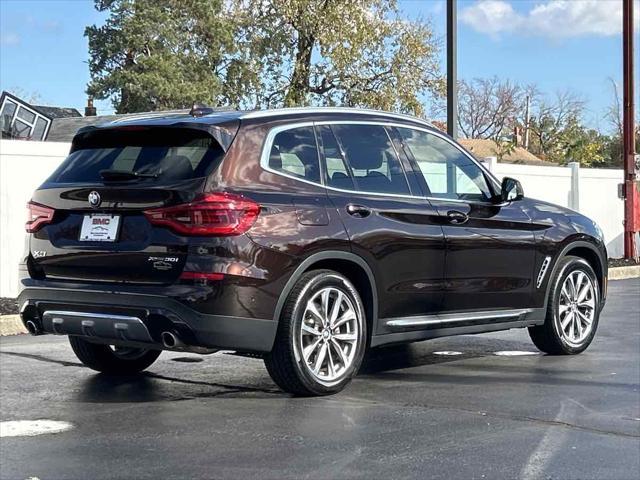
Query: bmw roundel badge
point(94, 199)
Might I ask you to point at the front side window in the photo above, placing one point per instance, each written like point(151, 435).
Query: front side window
point(447, 171)
point(295, 153)
point(371, 159)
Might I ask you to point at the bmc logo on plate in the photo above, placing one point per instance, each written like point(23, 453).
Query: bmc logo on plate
point(101, 221)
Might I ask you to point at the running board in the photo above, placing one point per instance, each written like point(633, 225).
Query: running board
point(455, 319)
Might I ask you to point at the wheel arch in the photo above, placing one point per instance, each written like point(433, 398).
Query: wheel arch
point(588, 252)
point(352, 266)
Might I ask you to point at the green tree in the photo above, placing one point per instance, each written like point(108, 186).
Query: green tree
point(554, 124)
point(159, 54)
point(586, 146)
point(338, 52)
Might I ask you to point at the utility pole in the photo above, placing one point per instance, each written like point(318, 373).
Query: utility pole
point(631, 194)
point(526, 122)
point(452, 68)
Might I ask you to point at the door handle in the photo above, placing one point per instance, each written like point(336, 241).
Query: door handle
point(457, 218)
point(358, 211)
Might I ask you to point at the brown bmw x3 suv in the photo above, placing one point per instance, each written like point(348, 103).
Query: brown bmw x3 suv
point(301, 236)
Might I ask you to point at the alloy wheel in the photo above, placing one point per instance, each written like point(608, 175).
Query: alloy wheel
point(576, 307)
point(329, 335)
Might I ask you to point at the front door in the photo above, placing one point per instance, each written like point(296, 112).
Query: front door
point(489, 245)
point(386, 220)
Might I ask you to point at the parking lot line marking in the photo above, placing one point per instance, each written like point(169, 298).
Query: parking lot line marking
point(30, 428)
point(514, 353)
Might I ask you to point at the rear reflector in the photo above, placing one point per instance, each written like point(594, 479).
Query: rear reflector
point(201, 276)
point(37, 217)
point(212, 214)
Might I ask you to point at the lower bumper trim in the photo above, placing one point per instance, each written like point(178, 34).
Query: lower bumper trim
point(91, 324)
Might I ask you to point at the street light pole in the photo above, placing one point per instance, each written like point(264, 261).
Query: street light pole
point(452, 69)
point(631, 194)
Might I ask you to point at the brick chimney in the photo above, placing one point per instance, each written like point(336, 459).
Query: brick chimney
point(90, 110)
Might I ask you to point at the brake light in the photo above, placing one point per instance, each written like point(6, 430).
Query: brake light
point(218, 214)
point(37, 217)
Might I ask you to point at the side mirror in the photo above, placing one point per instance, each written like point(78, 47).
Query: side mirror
point(511, 190)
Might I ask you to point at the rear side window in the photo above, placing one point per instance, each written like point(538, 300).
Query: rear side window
point(371, 158)
point(168, 154)
point(295, 153)
point(337, 173)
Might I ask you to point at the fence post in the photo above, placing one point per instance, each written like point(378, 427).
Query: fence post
point(574, 193)
point(490, 162)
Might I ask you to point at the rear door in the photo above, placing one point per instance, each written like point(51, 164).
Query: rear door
point(98, 195)
point(386, 219)
point(489, 245)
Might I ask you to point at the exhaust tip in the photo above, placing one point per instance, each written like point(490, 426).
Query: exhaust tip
point(32, 328)
point(169, 340)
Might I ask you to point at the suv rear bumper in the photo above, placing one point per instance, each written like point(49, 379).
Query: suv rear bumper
point(133, 319)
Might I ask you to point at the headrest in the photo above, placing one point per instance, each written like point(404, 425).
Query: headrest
point(365, 156)
point(177, 166)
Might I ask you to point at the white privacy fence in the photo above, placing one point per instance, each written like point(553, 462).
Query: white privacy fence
point(590, 191)
point(25, 165)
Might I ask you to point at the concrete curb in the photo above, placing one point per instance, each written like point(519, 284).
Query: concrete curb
point(621, 273)
point(11, 325)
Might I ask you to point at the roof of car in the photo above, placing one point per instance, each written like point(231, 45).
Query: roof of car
point(64, 129)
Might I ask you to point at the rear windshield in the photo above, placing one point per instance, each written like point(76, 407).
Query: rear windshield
point(158, 154)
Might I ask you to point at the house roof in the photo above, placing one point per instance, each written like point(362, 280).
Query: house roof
point(57, 112)
point(482, 148)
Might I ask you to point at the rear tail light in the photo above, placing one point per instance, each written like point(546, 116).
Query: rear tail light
point(213, 214)
point(38, 216)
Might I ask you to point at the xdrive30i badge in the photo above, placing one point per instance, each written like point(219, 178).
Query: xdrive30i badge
point(94, 199)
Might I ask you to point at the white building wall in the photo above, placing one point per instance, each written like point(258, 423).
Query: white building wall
point(25, 165)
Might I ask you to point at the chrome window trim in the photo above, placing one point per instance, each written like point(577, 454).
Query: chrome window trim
point(266, 149)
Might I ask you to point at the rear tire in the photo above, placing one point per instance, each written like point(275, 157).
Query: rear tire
point(573, 310)
point(113, 361)
point(322, 336)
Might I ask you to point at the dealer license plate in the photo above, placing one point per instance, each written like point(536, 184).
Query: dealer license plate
point(99, 227)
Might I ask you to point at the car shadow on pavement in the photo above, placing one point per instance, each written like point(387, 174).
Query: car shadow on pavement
point(397, 357)
point(151, 387)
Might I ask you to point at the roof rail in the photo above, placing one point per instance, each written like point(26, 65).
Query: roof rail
point(364, 111)
point(146, 115)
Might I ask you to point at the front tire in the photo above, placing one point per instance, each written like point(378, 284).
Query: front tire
point(322, 336)
point(573, 310)
point(112, 360)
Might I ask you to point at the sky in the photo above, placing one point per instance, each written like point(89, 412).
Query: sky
point(556, 44)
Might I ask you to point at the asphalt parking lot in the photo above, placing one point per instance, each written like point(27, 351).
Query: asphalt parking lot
point(412, 412)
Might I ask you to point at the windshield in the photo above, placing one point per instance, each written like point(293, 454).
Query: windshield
point(149, 153)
